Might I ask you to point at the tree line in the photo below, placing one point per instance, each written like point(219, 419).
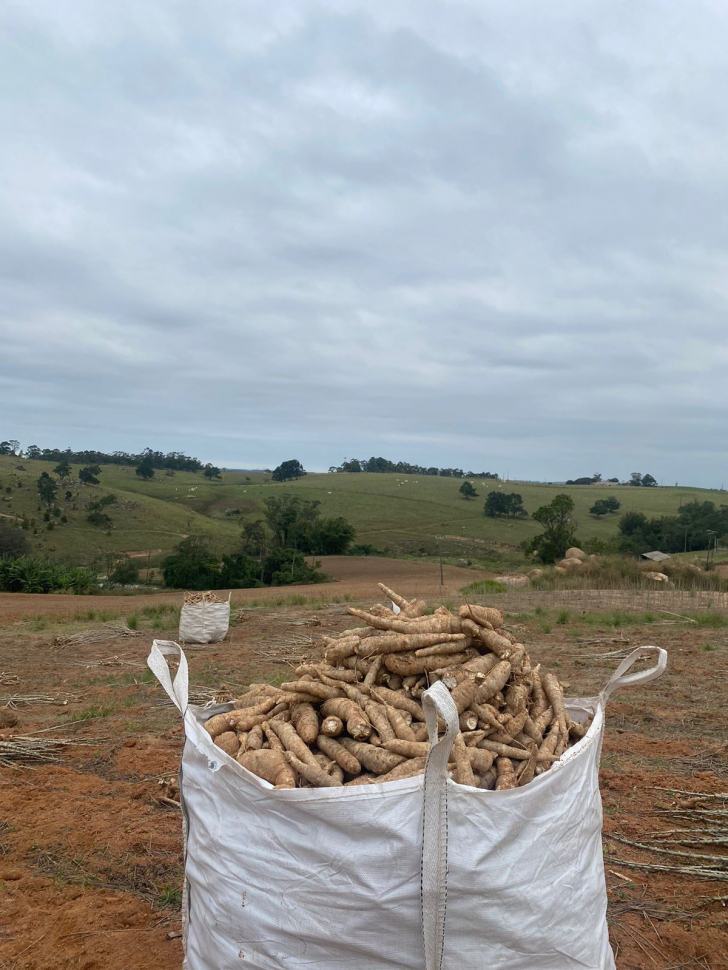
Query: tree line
point(174, 460)
point(636, 478)
point(383, 465)
point(694, 528)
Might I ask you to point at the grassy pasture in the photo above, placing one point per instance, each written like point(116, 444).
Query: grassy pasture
point(397, 513)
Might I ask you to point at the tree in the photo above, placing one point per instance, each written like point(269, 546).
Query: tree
point(558, 530)
point(97, 516)
point(238, 571)
point(88, 474)
point(13, 543)
point(467, 490)
point(125, 573)
point(604, 506)
point(504, 503)
point(145, 470)
point(283, 567)
point(211, 471)
point(635, 479)
point(62, 469)
point(46, 488)
point(648, 481)
point(495, 504)
point(191, 565)
point(32, 451)
point(288, 470)
point(5, 448)
point(596, 477)
point(253, 538)
point(327, 537)
point(288, 514)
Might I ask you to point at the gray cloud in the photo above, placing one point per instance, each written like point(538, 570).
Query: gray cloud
point(482, 235)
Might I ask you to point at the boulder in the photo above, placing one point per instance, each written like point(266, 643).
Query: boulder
point(658, 577)
point(575, 553)
point(570, 563)
point(513, 581)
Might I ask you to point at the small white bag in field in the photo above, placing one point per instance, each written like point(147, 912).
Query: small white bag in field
point(417, 874)
point(204, 622)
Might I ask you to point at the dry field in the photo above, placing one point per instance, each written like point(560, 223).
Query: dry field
point(90, 842)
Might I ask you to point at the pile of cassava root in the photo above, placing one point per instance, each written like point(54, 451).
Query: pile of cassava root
point(194, 599)
point(356, 718)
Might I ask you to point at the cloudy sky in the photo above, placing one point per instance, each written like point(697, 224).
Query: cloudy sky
point(485, 234)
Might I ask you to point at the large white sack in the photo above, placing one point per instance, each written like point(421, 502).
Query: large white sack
point(419, 874)
point(204, 622)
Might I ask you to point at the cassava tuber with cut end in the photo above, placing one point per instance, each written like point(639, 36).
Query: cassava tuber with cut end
point(351, 714)
point(332, 727)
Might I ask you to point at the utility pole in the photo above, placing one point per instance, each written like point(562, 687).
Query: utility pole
point(439, 555)
point(707, 558)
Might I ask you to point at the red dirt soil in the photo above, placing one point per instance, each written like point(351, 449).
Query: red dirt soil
point(90, 853)
point(352, 576)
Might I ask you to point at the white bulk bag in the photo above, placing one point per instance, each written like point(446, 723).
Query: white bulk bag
point(418, 874)
point(204, 622)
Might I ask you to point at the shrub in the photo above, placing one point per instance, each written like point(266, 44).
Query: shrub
point(12, 541)
point(125, 573)
point(26, 574)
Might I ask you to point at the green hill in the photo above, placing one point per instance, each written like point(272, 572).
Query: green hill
point(402, 515)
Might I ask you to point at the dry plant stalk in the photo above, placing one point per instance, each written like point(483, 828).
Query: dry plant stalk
point(356, 718)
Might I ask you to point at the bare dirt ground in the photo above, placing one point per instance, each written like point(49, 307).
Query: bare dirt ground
point(352, 576)
point(90, 850)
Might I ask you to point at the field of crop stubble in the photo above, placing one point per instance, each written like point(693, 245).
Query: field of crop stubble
point(90, 841)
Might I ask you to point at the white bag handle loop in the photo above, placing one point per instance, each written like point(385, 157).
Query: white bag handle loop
point(179, 690)
point(436, 700)
point(619, 680)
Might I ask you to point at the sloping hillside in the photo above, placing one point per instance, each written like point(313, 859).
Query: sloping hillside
point(397, 514)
